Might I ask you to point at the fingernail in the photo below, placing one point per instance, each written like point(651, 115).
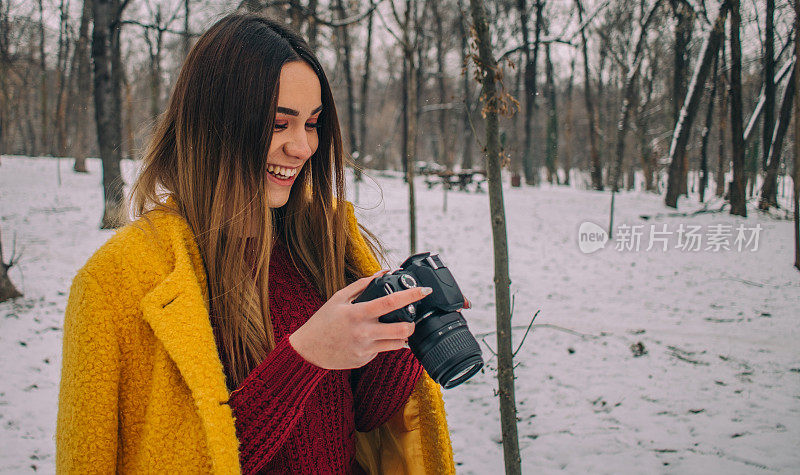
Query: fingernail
point(425, 290)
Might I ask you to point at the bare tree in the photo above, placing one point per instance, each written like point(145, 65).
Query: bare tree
point(684, 15)
point(62, 60)
point(769, 82)
point(723, 122)
point(569, 125)
point(683, 128)
point(344, 50)
point(796, 174)
point(629, 90)
point(551, 143)
point(43, 90)
point(595, 165)
point(769, 189)
point(529, 165)
point(409, 42)
point(153, 36)
point(466, 154)
point(445, 143)
point(7, 289)
point(364, 96)
point(108, 104)
point(187, 35)
point(81, 85)
point(737, 189)
point(706, 132)
point(488, 73)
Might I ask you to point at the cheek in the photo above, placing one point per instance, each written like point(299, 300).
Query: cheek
point(274, 146)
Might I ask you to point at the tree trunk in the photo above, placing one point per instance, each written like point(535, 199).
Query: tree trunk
point(629, 91)
point(445, 136)
point(684, 15)
point(706, 130)
point(312, 25)
point(79, 108)
point(568, 125)
point(44, 138)
point(502, 281)
point(186, 38)
point(529, 167)
point(344, 39)
point(769, 189)
point(596, 166)
point(737, 189)
point(466, 157)
point(61, 68)
point(683, 128)
point(105, 55)
point(154, 50)
point(645, 148)
point(722, 159)
point(364, 97)
point(552, 120)
point(410, 120)
point(7, 289)
point(4, 112)
point(769, 81)
point(796, 174)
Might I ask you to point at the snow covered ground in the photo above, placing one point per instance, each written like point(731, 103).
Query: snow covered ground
point(717, 389)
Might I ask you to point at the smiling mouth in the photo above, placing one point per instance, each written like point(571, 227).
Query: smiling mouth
point(283, 173)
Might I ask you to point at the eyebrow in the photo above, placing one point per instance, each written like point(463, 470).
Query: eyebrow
point(286, 110)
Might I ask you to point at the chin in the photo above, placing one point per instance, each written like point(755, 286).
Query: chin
point(279, 203)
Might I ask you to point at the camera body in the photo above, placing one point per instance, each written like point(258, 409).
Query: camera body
point(441, 339)
point(419, 270)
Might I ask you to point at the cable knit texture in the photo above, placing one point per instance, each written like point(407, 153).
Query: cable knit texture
point(142, 386)
point(292, 416)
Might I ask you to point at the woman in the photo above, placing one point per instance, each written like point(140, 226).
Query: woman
point(217, 333)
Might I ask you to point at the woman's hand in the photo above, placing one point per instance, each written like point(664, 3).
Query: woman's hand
point(346, 335)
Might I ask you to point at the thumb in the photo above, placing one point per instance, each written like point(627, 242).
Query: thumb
point(352, 291)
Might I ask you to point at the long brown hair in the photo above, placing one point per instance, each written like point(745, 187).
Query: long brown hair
point(208, 153)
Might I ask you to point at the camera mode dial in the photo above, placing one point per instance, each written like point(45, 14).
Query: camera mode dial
point(407, 281)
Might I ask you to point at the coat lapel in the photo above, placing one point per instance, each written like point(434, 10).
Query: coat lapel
point(177, 312)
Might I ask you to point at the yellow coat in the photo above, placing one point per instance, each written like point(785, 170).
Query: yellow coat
point(142, 386)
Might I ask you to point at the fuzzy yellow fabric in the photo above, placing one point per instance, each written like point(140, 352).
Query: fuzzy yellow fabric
point(142, 386)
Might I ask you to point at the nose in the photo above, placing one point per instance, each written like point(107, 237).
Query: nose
point(298, 146)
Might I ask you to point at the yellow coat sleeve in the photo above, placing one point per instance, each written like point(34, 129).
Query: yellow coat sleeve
point(86, 427)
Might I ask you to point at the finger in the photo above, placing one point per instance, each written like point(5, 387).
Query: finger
point(389, 303)
point(391, 331)
point(352, 291)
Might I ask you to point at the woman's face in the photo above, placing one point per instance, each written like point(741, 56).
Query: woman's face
point(294, 138)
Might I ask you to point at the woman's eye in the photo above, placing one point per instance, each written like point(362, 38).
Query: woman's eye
point(310, 125)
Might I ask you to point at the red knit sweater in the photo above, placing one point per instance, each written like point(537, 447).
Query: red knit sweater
point(294, 417)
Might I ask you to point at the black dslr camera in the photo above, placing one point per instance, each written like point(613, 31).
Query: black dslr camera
point(441, 340)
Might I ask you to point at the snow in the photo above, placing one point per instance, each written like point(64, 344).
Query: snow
point(716, 391)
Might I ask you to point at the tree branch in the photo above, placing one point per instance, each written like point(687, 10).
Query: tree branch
point(312, 14)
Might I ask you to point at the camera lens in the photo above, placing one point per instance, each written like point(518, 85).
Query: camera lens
point(446, 348)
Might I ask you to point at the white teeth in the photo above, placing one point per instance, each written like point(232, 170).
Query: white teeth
point(287, 172)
